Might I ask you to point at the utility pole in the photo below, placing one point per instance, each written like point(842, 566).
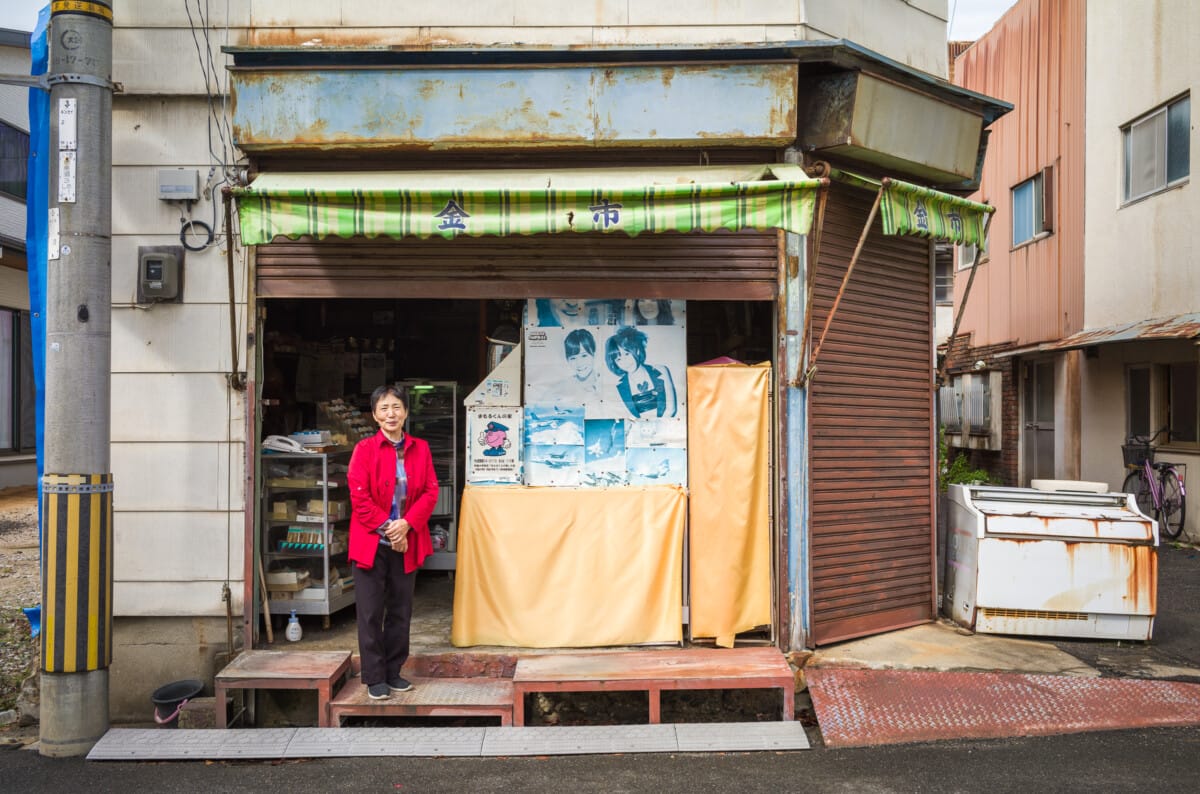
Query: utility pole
point(77, 536)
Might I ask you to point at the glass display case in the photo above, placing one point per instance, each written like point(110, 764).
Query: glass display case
point(433, 416)
point(305, 532)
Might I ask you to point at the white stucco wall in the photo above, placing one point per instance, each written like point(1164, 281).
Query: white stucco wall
point(1103, 400)
point(178, 431)
point(1143, 260)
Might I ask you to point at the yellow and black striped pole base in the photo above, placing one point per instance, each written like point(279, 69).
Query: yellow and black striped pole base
point(77, 572)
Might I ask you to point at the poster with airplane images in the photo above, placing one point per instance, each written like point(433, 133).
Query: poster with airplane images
point(554, 444)
point(604, 453)
point(494, 445)
point(614, 371)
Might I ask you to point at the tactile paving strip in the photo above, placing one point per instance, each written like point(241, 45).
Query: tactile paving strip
point(128, 744)
point(354, 742)
point(857, 707)
point(580, 740)
point(138, 744)
point(740, 736)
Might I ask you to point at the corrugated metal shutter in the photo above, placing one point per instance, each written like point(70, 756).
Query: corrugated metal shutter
point(871, 409)
point(720, 266)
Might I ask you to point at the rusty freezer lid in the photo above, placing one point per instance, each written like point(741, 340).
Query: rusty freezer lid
point(1025, 512)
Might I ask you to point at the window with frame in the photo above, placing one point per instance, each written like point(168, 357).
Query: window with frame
point(1030, 208)
point(943, 275)
point(1157, 149)
point(967, 251)
point(1138, 400)
point(14, 161)
point(1164, 395)
point(1183, 409)
point(17, 397)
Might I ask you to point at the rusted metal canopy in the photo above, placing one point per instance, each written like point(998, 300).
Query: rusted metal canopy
point(1180, 326)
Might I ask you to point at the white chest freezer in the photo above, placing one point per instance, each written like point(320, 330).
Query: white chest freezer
point(1063, 564)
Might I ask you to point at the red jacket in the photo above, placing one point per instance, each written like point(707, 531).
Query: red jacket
point(372, 482)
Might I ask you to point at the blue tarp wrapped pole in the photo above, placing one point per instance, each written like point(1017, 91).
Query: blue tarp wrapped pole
point(36, 208)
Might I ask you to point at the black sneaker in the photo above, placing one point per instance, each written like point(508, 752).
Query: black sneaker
point(379, 691)
point(399, 684)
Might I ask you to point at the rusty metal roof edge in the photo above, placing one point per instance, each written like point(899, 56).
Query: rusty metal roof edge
point(840, 52)
point(1179, 326)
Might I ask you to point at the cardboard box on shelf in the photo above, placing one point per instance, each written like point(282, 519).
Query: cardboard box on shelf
point(285, 509)
point(287, 580)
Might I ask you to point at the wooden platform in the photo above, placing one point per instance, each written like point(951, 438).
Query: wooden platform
point(429, 697)
point(654, 671)
point(462, 685)
point(316, 670)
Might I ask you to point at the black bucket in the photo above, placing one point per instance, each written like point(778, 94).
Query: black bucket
point(170, 699)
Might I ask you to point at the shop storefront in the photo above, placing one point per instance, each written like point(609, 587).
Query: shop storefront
point(728, 482)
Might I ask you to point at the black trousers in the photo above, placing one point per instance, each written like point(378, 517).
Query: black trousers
point(384, 596)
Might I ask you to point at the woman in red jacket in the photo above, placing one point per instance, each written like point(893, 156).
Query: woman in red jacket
point(393, 490)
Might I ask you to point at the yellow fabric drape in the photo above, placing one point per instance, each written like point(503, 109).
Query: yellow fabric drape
point(729, 447)
point(569, 567)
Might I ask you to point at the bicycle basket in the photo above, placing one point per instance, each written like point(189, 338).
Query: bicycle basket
point(1136, 453)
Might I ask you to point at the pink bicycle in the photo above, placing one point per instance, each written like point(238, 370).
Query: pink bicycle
point(1157, 487)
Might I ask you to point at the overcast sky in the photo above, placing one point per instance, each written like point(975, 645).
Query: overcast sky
point(969, 19)
point(22, 14)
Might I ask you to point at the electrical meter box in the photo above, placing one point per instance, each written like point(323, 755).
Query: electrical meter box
point(178, 184)
point(160, 274)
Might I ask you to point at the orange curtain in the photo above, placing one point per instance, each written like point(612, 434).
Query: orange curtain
point(729, 448)
point(569, 567)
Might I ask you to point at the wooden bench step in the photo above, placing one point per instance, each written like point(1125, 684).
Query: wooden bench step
point(429, 697)
point(653, 672)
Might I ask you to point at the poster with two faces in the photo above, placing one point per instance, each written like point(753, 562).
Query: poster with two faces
point(605, 392)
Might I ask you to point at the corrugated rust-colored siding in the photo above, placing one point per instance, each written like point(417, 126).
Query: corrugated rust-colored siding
point(719, 266)
point(1034, 58)
point(871, 410)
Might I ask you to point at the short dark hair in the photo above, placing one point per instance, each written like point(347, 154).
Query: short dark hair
point(579, 339)
point(629, 339)
point(389, 390)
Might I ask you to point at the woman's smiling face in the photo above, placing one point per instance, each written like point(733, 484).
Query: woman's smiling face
point(625, 360)
point(583, 363)
point(390, 413)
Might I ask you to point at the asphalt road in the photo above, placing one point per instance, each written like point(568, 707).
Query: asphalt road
point(1176, 641)
point(1162, 760)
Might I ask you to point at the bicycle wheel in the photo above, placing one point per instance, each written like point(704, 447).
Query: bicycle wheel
point(1137, 485)
point(1174, 507)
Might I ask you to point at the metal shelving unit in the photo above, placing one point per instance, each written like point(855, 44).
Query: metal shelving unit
point(433, 416)
point(305, 539)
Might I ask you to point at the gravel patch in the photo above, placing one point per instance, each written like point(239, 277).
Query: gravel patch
point(20, 586)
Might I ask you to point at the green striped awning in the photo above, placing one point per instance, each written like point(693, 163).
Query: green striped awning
point(912, 209)
point(511, 202)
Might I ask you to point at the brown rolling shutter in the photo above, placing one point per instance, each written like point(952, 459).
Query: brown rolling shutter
point(871, 431)
point(718, 266)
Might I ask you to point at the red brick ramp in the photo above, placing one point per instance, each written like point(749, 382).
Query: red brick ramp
point(858, 708)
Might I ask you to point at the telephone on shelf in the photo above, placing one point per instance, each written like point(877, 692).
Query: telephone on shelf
point(284, 444)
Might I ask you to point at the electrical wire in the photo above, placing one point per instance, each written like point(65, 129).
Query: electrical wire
point(217, 120)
